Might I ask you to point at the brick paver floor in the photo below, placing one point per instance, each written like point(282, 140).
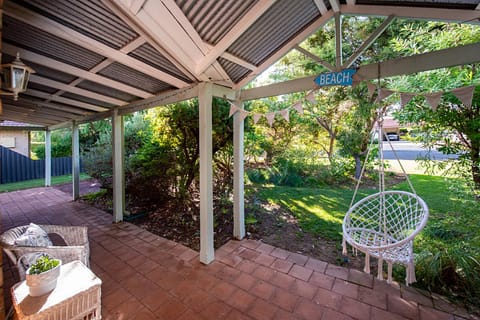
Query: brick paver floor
point(148, 277)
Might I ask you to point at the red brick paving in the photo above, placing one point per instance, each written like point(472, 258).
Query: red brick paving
point(148, 277)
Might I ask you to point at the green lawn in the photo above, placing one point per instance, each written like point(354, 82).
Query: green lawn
point(38, 183)
point(321, 210)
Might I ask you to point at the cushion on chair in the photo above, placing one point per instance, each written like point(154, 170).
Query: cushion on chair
point(34, 236)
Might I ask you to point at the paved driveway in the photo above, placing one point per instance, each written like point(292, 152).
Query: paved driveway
point(407, 150)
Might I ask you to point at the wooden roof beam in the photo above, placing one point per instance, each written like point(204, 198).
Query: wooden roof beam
point(62, 31)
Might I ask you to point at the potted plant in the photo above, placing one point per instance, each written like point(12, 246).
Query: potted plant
point(42, 276)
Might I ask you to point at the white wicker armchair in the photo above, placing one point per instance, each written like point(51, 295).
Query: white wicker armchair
point(76, 248)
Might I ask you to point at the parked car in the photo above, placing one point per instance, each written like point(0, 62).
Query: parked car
point(393, 137)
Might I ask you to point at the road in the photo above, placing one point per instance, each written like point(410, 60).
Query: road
point(407, 150)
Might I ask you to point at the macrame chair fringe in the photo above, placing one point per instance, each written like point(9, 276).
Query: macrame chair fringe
point(384, 225)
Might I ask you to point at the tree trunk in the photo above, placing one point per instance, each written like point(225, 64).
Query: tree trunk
point(475, 156)
point(358, 166)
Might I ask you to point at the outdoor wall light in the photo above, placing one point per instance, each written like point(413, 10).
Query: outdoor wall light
point(15, 77)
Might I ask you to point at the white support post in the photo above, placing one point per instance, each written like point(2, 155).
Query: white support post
point(207, 252)
point(238, 173)
point(48, 158)
point(75, 161)
point(338, 41)
point(118, 166)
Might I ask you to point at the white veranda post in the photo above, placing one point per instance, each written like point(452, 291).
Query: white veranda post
point(384, 224)
point(118, 142)
point(238, 172)
point(48, 158)
point(75, 161)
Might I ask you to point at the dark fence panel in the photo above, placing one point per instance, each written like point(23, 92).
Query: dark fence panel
point(16, 167)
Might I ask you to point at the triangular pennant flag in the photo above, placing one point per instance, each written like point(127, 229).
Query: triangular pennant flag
point(233, 109)
point(311, 97)
point(433, 99)
point(465, 94)
point(270, 117)
point(383, 94)
point(256, 117)
point(298, 106)
point(243, 114)
point(405, 98)
point(285, 114)
point(371, 89)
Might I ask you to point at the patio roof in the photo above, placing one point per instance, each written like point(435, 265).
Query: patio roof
point(93, 56)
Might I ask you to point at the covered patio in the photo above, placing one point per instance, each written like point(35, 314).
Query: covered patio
point(145, 276)
point(105, 59)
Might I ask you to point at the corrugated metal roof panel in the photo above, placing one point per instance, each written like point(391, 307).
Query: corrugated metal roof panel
point(448, 4)
point(278, 25)
point(134, 78)
point(27, 37)
point(234, 71)
point(39, 87)
point(148, 54)
point(214, 18)
point(74, 96)
point(107, 91)
point(89, 17)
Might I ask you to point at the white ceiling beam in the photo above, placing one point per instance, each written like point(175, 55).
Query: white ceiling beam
point(40, 109)
point(433, 14)
point(71, 102)
point(66, 68)
point(136, 5)
point(287, 47)
point(315, 58)
point(407, 65)
point(54, 106)
point(370, 40)
point(61, 31)
point(338, 41)
point(129, 47)
point(321, 6)
point(69, 88)
point(335, 5)
point(127, 14)
point(22, 117)
point(247, 20)
point(230, 57)
point(32, 113)
point(165, 98)
point(217, 71)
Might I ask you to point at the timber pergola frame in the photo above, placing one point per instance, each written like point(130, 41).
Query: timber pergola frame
point(190, 52)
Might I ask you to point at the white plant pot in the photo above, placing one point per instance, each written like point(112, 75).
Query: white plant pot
point(40, 284)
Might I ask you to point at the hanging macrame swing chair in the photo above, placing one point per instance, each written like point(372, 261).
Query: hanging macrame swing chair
point(383, 225)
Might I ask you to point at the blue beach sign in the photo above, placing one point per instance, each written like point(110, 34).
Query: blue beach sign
point(340, 78)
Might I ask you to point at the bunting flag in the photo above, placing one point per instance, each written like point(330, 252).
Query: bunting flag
point(270, 118)
point(243, 114)
point(311, 97)
point(298, 106)
point(233, 109)
point(285, 114)
point(256, 117)
point(433, 99)
point(371, 89)
point(405, 98)
point(383, 94)
point(465, 94)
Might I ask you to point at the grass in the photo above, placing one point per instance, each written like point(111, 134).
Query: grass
point(38, 183)
point(321, 210)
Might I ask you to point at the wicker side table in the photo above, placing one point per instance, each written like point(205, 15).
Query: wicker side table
point(77, 296)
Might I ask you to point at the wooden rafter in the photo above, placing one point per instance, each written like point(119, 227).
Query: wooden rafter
point(62, 31)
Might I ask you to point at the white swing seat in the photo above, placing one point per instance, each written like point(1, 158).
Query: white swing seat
point(386, 234)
